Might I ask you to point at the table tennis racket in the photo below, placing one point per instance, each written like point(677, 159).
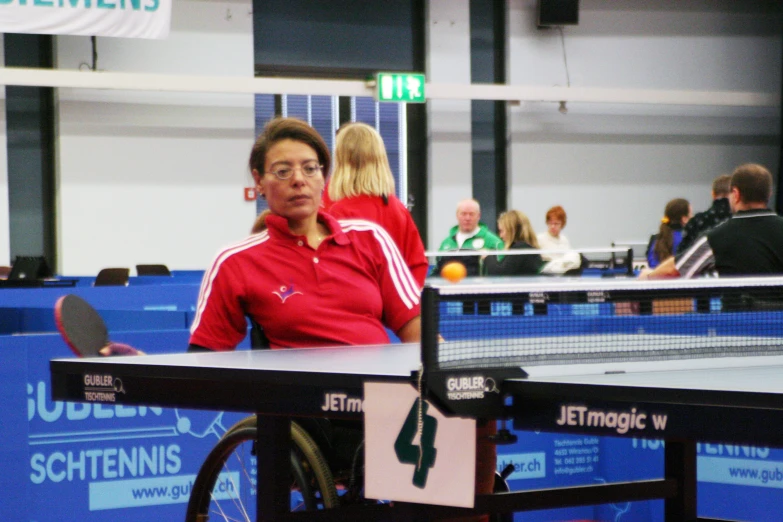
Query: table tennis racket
point(83, 329)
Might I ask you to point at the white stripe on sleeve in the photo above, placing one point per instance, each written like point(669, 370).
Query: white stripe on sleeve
point(406, 286)
point(209, 275)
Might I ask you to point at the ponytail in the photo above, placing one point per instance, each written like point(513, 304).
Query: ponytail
point(673, 215)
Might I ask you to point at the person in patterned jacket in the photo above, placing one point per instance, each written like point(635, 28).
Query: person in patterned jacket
point(719, 212)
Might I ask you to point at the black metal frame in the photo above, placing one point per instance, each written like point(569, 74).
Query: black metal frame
point(272, 501)
point(30, 122)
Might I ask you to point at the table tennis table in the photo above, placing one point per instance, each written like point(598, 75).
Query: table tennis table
point(678, 400)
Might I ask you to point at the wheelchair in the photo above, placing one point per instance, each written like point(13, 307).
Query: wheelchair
point(327, 466)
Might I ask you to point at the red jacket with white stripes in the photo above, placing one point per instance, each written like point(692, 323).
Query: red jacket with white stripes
point(342, 293)
point(395, 218)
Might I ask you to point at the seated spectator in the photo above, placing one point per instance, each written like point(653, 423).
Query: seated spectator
point(719, 211)
point(554, 239)
point(515, 230)
point(664, 244)
point(749, 243)
point(468, 234)
point(362, 186)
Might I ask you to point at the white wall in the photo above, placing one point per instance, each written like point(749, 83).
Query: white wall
point(150, 177)
point(614, 167)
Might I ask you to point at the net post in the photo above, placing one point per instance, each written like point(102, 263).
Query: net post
point(629, 261)
point(430, 312)
point(613, 259)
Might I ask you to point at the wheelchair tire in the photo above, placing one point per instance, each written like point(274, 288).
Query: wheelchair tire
point(310, 474)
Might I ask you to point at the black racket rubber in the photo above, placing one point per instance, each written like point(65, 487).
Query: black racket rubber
point(80, 325)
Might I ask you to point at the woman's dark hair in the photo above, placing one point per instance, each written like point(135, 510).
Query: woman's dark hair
point(278, 129)
point(673, 214)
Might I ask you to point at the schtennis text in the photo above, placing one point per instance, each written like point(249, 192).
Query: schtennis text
point(620, 421)
point(105, 462)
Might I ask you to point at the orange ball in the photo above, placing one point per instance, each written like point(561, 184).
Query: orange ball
point(453, 271)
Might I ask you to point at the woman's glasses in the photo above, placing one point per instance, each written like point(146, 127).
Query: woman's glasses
point(308, 170)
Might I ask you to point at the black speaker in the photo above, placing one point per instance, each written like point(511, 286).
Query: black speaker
point(29, 268)
point(558, 12)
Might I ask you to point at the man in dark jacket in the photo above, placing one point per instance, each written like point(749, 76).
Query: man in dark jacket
point(719, 212)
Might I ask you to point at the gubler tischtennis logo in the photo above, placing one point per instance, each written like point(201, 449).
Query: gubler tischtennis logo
point(470, 388)
point(102, 388)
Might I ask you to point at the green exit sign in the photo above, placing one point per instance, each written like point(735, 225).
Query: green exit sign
point(400, 87)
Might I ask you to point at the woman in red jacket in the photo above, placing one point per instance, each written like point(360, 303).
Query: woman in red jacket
point(362, 186)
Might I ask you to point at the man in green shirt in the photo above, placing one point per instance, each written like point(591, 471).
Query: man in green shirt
point(468, 234)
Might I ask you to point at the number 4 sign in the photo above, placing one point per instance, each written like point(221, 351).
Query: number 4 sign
point(432, 463)
point(421, 455)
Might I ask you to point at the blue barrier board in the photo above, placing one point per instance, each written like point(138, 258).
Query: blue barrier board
point(90, 460)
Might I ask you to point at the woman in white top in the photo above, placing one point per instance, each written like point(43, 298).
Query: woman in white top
point(554, 239)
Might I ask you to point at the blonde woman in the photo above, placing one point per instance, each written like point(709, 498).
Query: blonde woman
point(362, 186)
point(515, 230)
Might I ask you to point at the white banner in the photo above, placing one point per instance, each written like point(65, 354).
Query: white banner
point(125, 18)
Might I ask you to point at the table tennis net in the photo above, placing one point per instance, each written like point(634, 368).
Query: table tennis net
point(586, 321)
point(606, 262)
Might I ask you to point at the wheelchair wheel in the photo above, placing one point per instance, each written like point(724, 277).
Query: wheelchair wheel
point(216, 493)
